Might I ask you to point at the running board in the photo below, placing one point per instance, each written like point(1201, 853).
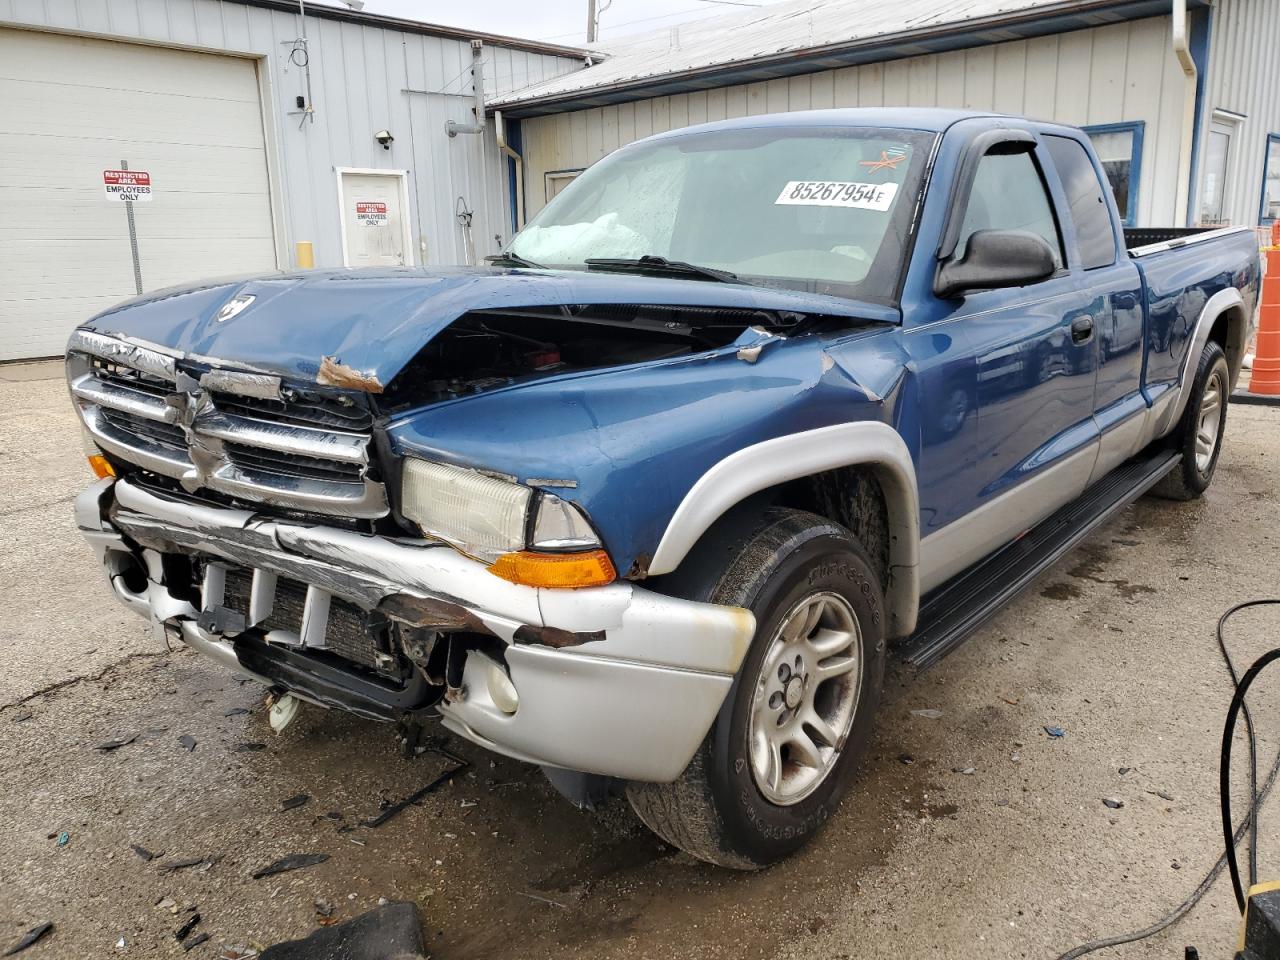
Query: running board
point(953, 611)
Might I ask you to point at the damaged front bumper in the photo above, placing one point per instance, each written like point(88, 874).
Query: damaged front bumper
point(617, 680)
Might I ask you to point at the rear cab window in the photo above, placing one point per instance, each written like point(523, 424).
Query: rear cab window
point(1086, 201)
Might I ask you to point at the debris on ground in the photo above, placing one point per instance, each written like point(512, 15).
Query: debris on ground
point(28, 939)
point(1163, 795)
point(295, 861)
point(546, 900)
point(116, 744)
point(967, 771)
point(1124, 770)
point(929, 714)
point(397, 808)
point(906, 758)
point(186, 864)
point(121, 943)
point(391, 932)
point(235, 712)
point(185, 930)
point(292, 803)
point(167, 903)
point(195, 942)
point(250, 747)
point(187, 741)
point(1113, 803)
point(64, 838)
point(144, 853)
point(1055, 733)
point(23, 716)
point(238, 953)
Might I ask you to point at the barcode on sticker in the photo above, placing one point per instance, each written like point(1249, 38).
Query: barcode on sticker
point(838, 193)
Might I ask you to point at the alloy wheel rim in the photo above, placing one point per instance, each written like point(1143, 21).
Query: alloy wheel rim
point(806, 697)
point(1210, 423)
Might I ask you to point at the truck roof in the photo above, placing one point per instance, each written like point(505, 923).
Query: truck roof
point(929, 119)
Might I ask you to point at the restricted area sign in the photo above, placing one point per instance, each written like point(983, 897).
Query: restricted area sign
point(371, 213)
point(127, 185)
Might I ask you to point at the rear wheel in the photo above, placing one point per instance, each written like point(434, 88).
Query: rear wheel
point(786, 741)
point(1199, 435)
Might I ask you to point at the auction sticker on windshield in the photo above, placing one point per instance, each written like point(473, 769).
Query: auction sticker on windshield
point(839, 193)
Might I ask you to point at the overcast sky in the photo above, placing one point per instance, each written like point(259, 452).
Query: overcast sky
point(559, 21)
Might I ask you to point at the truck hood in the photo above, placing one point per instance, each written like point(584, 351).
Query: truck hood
point(375, 321)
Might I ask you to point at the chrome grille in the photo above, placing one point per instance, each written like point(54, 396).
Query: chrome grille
point(302, 411)
point(295, 449)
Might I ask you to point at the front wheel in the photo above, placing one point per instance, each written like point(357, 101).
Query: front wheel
point(1199, 434)
point(787, 739)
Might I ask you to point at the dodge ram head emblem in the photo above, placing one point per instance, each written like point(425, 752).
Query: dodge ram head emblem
point(233, 307)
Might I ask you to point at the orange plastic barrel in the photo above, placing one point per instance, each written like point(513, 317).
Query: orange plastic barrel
point(1266, 359)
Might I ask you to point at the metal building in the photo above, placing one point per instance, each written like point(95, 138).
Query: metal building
point(237, 127)
point(1182, 97)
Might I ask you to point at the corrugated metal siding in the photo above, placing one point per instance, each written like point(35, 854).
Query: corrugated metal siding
point(824, 29)
point(1120, 72)
point(358, 75)
point(1244, 77)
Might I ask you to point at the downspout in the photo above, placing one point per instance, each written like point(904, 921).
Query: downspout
point(1182, 50)
point(500, 131)
point(477, 90)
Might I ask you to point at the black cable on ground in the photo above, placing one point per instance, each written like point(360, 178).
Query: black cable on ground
point(1233, 839)
point(1253, 748)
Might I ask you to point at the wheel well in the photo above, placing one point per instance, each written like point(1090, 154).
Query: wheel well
point(1228, 332)
point(851, 497)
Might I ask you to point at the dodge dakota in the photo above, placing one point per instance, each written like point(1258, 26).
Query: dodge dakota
point(648, 500)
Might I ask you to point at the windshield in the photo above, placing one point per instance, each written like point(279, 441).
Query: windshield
point(826, 209)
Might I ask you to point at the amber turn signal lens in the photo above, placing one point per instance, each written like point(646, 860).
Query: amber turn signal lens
point(100, 467)
point(590, 568)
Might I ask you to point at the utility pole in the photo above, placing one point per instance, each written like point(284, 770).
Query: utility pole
point(591, 21)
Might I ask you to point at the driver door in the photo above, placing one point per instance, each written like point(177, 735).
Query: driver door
point(1036, 365)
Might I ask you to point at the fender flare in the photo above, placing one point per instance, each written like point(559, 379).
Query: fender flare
point(1224, 301)
point(766, 464)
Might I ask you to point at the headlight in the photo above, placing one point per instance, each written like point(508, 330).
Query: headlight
point(482, 516)
point(526, 536)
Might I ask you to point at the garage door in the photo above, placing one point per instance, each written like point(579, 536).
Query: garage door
point(74, 108)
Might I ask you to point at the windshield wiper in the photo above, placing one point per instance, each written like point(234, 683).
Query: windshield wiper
point(509, 259)
point(661, 266)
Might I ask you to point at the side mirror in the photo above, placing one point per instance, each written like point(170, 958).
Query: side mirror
point(993, 259)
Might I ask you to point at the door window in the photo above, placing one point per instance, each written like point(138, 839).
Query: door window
point(1086, 201)
point(1008, 193)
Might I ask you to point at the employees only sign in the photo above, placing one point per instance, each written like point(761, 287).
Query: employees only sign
point(127, 185)
point(371, 213)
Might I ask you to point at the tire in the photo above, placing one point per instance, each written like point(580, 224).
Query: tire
point(783, 567)
point(1206, 414)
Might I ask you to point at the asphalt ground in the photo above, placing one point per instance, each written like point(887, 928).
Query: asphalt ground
point(1020, 858)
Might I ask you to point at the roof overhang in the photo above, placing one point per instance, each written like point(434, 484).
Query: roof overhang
point(1052, 18)
point(324, 12)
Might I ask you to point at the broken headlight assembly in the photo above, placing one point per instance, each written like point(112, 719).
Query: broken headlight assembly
point(523, 535)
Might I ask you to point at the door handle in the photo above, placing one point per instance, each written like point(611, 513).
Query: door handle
point(1081, 329)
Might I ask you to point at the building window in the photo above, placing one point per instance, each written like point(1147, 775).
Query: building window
point(1271, 180)
point(557, 180)
point(1119, 147)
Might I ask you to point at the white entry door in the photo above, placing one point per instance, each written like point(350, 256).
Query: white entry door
point(375, 223)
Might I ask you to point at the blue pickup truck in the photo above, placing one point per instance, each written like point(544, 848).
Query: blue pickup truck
point(649, 500)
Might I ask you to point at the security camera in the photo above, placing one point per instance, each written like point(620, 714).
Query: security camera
point(385, 138)
point(356, 5)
